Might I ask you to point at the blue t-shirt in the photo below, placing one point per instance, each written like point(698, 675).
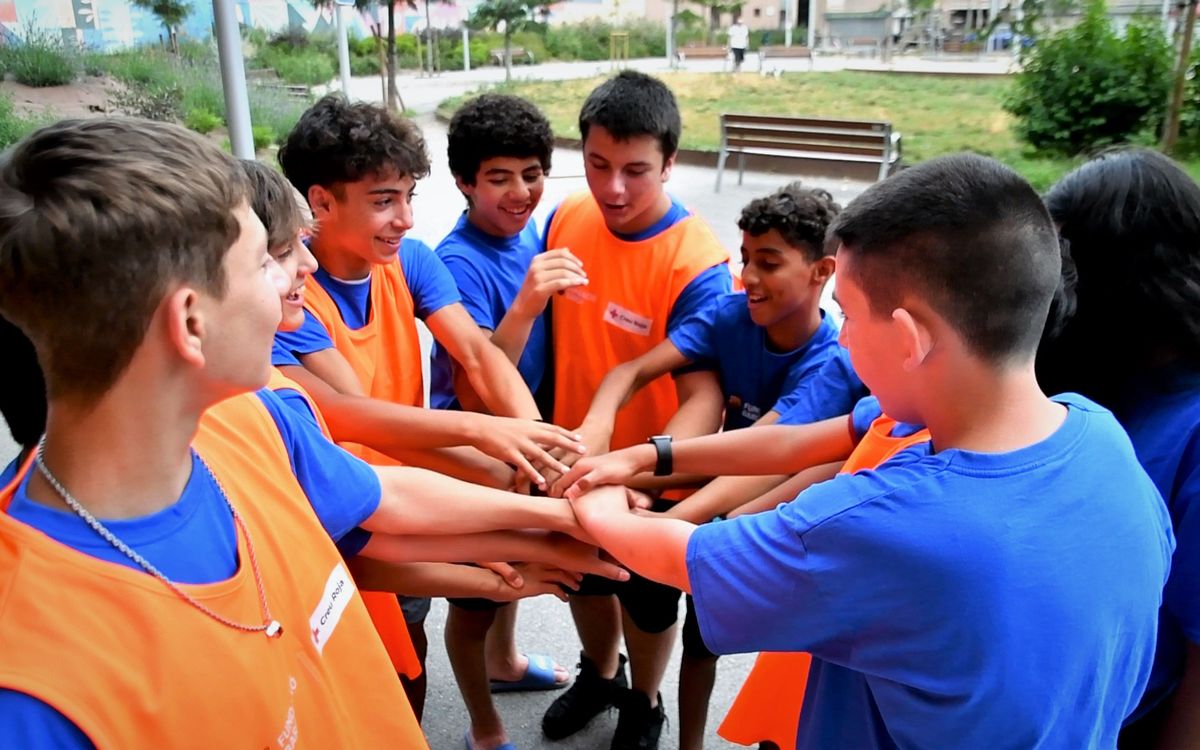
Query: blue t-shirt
point(955, 599)
point(754, 378)
point(488, 272)
point(191, 541)
point(866, 411)
point(1162, 415)
point(829, 392)
point(429, 282)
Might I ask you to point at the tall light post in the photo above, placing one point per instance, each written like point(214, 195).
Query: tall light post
point(233, 79)
point(341, 10)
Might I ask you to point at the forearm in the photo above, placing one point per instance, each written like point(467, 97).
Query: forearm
point(512, 334)
point(653, 546)
point(498, 384)
point(416, 501)
point(425, 578)
point(460, 462)
point(722, 495)
point(786, 491)
point(614, 391)
point(511, 545)
point(395, 428)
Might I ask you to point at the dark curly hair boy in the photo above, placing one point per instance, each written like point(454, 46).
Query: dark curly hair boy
point(801, 216)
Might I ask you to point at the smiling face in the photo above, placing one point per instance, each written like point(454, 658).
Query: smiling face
point(506, 191)
point(626, 178)
point(360, 224)
point(783, 286)
point(297, 263)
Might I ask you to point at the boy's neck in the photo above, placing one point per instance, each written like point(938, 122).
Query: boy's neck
point(661, 208)
point(473, 220)
point(985, 410)
point(124, 456)
point(338, 264)
point(795, 330)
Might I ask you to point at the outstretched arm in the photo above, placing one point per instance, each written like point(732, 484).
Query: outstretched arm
point(448, 579)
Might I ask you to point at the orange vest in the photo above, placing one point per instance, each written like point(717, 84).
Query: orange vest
point(386, 352)
point(132, 665)
point(767, 709)
point(622, 312)
point(382, 606)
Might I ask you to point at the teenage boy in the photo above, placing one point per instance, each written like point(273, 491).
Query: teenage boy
point(650, 264)
point(357, 165)
point(970, 588)
point(499, 151)
point(144, 369)
point(765, 344)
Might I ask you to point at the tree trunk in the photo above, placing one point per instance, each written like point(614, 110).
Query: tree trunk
point(429, 38)
point(393, 96)
point(507, 53)
point(1171, 127)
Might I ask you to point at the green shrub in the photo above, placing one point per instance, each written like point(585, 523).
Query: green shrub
point(13, 127)
point(202, 90)
point(1087, 87)
point(201, 120)
point(307, 67)
point(275, 109)
point(264, 135)
point(41, 60)
point(163, 102)
point(145, 66)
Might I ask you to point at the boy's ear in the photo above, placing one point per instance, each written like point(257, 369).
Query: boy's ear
point(185, 324)
point(322, 201)
point(915, 337)
point(822, 270)
point(463, 187)
point(668, 164)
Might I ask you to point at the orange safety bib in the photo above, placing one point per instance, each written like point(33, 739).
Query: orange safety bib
point(386, 352)
point(132, 665)
point(622, 312)
point(382, 606)
point(767, 709)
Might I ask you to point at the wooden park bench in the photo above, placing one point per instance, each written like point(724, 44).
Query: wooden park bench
point(863, 45)
point(497, 55)
point(776, 52)
point(698, 52)
point(813, 138)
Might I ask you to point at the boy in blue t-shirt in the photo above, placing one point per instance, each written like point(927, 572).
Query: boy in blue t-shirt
point(499, 153)
point(765, 345)
point(996, 587)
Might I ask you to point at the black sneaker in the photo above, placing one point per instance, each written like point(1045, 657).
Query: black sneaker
point(639, 726)
point(590, 695)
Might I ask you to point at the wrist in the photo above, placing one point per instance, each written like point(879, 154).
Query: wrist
point(645, 457)
point(664, 462)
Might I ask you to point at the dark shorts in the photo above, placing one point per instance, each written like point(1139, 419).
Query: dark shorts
point(415, 608)
point(739, 55)
point(652, 606)
point(693, 642)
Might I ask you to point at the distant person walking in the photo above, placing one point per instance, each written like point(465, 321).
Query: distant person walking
point(739, 40)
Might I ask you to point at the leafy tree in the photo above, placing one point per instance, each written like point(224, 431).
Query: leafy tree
point(1087, 87)
point(394, 102)
point(508, 16)
point(171, 13)
point(715, 8)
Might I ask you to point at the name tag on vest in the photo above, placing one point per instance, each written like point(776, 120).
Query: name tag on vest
point(628, 320)
point(339, 589)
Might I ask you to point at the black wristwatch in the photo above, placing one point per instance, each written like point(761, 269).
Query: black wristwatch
point(665, 465)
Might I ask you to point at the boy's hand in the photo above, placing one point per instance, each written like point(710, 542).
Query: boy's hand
point(617, 467)
point(536, 579)
point(552, 271)
point(592, 508)
point(523, 442)
point(595, 440)
point(571, 554)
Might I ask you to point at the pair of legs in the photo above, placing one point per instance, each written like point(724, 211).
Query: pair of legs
point(481, 645)
point(416, 609)
point(600, 620)
point(697, 675)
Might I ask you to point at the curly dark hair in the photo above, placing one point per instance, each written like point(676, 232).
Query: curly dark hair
point(336, 142)
point(497, 125)
point(631, 104)
point(801, 216)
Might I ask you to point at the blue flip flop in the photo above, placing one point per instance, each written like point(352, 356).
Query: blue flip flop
point(505, 746)
point(538, 676)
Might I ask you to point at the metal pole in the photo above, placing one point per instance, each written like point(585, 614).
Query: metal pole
point(812, 24)
point(671, 35)
point(466, 47)
point(233, 79)
point(790, 14)
point(343, 47)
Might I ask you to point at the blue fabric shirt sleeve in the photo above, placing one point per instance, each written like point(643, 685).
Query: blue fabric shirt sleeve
point(343, 490)
point(866, 411)
point(700, 292)
point(431, 285)
point(546, 230)
point(695, 335)
point(30, 724)
point(1182, 595)
point(281, 356)
point(310, 337)
point(473, 290)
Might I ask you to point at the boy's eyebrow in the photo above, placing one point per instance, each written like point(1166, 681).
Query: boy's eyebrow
point(384, 191)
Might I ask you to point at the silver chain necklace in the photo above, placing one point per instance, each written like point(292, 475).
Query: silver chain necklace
point(270, 626)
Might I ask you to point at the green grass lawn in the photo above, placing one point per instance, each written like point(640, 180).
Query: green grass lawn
point(936, 114)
